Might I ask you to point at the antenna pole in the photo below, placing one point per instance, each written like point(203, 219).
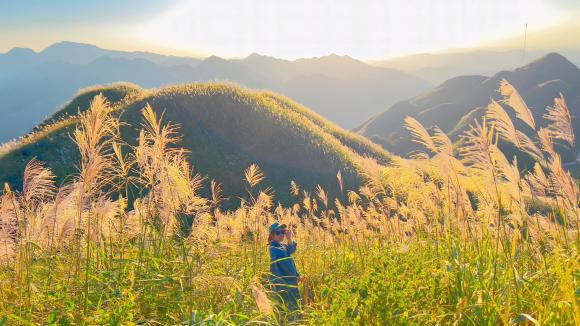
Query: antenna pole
point(525, 40)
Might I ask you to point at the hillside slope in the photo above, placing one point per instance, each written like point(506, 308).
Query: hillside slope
point(454, 104)
point(226, 128)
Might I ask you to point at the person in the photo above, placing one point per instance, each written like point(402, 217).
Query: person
point(284, 276)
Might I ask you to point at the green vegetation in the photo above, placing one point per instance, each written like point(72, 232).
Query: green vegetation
point(457, 235)
point(225, 127)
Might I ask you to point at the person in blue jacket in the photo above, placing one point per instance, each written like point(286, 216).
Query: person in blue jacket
point(284, 276)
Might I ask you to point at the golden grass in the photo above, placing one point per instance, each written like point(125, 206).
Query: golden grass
point(460, 235)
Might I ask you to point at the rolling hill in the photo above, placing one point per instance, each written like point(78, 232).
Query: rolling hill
point(344, 90)
point(454, 104)
point(226, 128)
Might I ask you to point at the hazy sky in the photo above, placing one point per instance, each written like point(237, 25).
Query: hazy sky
point(366, 29)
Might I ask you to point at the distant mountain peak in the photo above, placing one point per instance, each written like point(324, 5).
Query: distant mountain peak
point(71, 52)
point(69, 45)
point(260, 59)
point(21, 51)
point(214, 62)
point(214, 58)
point(550, 61)
point(255, 55)
point(333, 59)
point(334, 56)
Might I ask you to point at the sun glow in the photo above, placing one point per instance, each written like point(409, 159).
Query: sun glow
point(363, 29)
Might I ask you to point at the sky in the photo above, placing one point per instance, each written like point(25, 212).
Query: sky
point(365, 29)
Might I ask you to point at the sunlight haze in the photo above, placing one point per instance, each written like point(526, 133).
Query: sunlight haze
point(369, 29)
point(363, 29)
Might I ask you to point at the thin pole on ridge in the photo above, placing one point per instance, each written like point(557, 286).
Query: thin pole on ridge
point(525, 40)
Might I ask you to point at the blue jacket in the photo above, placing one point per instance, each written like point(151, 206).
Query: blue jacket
point(282, 266)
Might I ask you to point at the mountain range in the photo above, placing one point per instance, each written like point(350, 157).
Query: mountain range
point(438, 67)
point(338, 88)
point(454, 104)
point(346, 91)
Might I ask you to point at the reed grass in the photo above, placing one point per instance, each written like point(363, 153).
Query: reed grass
point(455, 235)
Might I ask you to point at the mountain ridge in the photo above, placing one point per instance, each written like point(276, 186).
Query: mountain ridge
point(438, 67)
point(449, 104)
point(341, 88)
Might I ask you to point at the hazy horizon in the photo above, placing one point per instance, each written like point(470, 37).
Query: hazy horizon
point(371, 30)
point(491, 47)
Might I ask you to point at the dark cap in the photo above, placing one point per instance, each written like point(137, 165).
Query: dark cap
point(276, 226)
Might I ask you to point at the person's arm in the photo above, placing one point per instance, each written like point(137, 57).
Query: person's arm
point(291, 247)
point(291, 244)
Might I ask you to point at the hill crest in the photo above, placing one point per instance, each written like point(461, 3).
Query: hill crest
point(226, 128)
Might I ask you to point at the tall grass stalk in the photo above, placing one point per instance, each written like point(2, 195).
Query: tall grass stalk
point(456, 235)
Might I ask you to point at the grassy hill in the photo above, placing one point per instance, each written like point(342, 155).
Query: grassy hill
point(226, 128)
